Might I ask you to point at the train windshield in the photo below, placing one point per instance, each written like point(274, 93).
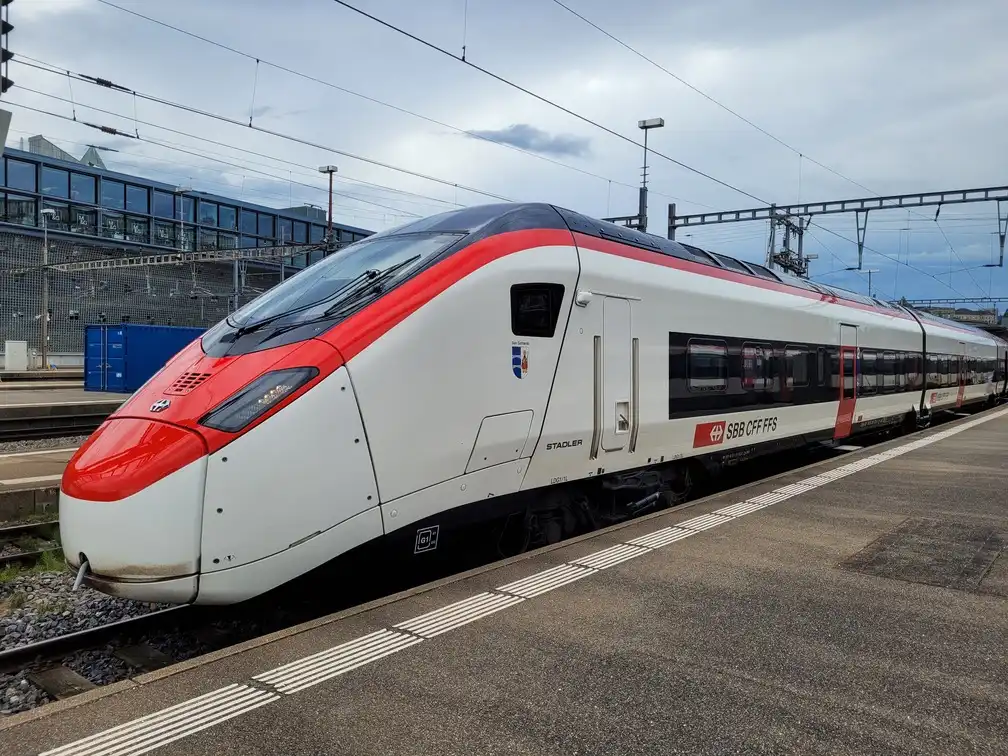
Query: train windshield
point(318, 290)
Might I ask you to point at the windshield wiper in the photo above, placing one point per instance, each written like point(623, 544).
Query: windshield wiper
point(242, 330)
point(349, 291)
point(358, 290)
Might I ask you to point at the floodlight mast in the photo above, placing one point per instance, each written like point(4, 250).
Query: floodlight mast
point(330, 169)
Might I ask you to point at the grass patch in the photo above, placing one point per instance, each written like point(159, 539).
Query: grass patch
point(51, 561)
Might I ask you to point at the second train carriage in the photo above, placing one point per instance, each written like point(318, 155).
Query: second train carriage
point(516, 363)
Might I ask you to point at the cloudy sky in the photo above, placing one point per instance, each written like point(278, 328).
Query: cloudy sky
point(892, 97)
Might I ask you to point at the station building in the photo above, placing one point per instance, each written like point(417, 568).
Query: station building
point(102, 217)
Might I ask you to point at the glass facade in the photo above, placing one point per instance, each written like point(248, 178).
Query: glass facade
point(91, 202)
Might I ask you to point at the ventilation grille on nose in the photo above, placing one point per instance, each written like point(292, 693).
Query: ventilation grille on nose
point(187, 382)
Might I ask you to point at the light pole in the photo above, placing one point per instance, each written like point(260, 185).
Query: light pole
point(181, 214)
point(47, 213)
point(646, 126)
point(330, 169)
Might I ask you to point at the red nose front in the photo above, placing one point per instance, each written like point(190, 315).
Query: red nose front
point(193, 384)
point(126, 455)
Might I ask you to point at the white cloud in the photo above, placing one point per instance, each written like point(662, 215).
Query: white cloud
point(901, 96)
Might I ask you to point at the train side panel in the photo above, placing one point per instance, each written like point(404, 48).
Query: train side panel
point(677, 319)
point(451, 393)
point(960, 366)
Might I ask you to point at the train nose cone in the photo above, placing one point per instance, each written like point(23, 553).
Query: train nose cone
point(131, 504)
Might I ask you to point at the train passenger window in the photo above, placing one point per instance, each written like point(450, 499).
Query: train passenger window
point(868, 374)
point(535, 308)
point(796, 365)
point(756, 366)
point(707, 365)
point(848, 374)
point(887, 371)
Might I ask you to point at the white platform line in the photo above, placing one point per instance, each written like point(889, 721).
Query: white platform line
point(341, 662)
point(179, 721)
point(704, 522)
point(459, 619)
point(169, 724)
point(36, 479)
point(547, 580)
point(817, 480)
point(663, 537)
point(459, 610)
point(74, 403)
point(461, 613)
point(793, 489)
point(612, 556)
point(38, 452)
point(741, 509)
point(348, 651)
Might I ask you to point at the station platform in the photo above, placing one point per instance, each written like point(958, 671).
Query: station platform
point(856, 606)
point(41, 376)
point(29, 481)
point(46, 395)
point(40, 385)
point(47, 412)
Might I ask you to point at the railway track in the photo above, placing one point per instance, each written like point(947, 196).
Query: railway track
point(203, 629)
point(27, 543)
point(30, 427)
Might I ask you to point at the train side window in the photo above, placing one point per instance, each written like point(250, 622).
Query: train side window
point(887, 372)
point(796, 365)
point(848, 374)
point(755, 366)
point(707, 365)
point(868, 375)
point(535, 308)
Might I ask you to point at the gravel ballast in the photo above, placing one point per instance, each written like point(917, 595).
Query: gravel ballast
point(41, 444)
point(35, 606)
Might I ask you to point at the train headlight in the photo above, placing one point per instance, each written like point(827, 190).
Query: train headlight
point(258, 397)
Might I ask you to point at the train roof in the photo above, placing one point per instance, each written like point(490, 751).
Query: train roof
point(495, 218)
point(937, 319)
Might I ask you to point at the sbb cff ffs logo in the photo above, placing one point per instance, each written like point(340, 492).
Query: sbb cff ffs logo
point(712, 434)
point(709, 434)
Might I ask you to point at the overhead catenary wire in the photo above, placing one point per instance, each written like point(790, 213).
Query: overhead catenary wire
point(547, 101)
point(105, 83)
point(179, 149)
point(340, 177)
point(119, 115)
point(888, 257)
point(323, 82)
point(209, 155)
point(961, 261)
point(800, 153)
point(108, 84)
point(245, 168)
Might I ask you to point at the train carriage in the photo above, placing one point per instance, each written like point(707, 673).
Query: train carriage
point(522, 364)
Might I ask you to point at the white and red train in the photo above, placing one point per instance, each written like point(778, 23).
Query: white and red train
point(520, 362)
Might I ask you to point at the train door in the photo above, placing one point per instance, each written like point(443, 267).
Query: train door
point(963, 363)
point(1004, 374)
point(617, 374)
point(848, 381)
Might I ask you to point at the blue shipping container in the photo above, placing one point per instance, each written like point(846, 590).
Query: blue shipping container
point(122, 357)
